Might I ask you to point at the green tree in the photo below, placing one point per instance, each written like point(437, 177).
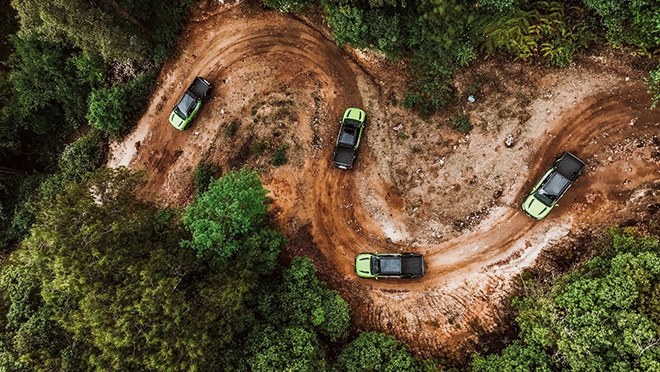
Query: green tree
point(373, 351)
point(602, 317)
point(287, 6)
point(101, 28)
point(83, 156)
point(307, 302)
point(635, 23)
point(288, 349)
point(104, 267)
point(222, 218)
point(112, 109)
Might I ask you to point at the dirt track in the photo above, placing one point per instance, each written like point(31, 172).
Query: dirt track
point(418, 185)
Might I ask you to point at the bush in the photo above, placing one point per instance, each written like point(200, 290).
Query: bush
point(223, 219)
point(279, 157)
point(205, 173)
point(348, 24)
point(106, 110)
point(602, 316)
point(461, 123)
point(653, 85)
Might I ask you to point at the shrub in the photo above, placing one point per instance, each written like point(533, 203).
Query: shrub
point(373, 351)
point(205, 173)
point(348, 24)
point(653, 85)
point(461, 123)
point(106, 111)
point(231, 128)
point(279, 157)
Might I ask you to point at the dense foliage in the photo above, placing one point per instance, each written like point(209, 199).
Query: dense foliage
point(101, 283)
point(73, 65)
point(372, 351)
point(438, 36)
point(605, 316)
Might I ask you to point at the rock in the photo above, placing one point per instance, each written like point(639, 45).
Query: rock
point(509, 141)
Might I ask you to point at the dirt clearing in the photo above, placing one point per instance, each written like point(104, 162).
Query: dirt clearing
point(418, 185)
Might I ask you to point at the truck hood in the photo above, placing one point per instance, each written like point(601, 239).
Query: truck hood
point(355, 114)
point(176, 121)
point(533, 207)
point(363, 265)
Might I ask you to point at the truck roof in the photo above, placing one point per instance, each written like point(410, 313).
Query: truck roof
point(390, 265)
point(570, 166)
point(185, 104)
point(554, 186)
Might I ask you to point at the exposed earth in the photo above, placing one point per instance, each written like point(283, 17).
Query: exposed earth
point(418, 184)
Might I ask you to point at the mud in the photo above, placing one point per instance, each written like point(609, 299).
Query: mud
point(418, 185)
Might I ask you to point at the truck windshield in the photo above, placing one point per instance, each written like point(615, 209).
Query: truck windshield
point(375, 265)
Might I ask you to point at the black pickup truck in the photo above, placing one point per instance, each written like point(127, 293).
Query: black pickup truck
point(348, 139)
point(188, 106)
point(389, 265)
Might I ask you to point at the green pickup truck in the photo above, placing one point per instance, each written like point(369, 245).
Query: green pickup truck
point(389, 265)
point(190, 104)
point(348, 140)
point(552, 186)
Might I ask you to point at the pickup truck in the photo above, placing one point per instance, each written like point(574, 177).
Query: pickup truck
point(348, 140)
point(389, 265)
point(552, 186)
point(188, 106)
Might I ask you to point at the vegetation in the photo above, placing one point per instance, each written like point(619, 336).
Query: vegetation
point(372, 351)
point(608, 312)
point(436, 37)
point(100, 283)
point(279, 156)
point(205, 173)
point(461, 123)
point(74, 65)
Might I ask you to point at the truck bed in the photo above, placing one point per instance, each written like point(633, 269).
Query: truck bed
point(344, 156)
point(199, 87)
point(570, 166)
point(412, 265)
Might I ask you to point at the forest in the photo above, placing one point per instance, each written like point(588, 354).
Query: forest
point(95, 277)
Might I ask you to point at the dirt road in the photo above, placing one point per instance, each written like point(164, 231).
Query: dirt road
point(418, 185)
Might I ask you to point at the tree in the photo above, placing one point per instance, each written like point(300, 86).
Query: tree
point(97, 27)
point(83, 156)
point(229, 213)
point(287, 6)
point(288, 349)
point(102, 270)
point(307, 302)
point(373, 351)
point(601, 317)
